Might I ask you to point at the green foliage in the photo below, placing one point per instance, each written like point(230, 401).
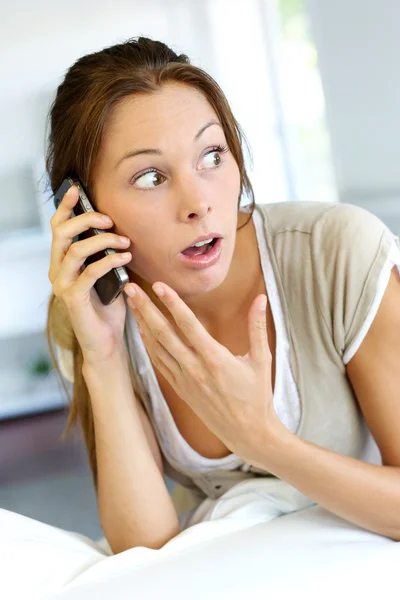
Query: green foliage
point(40, 366)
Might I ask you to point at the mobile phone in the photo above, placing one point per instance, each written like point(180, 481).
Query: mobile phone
point(110, 285)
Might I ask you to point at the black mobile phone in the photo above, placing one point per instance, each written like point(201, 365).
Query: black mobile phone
point(110, 285)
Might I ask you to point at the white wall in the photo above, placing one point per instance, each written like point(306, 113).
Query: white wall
point(358, 44)
point(39, 41)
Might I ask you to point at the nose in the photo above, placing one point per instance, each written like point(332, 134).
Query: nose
point(193, 201)
point(200, 211)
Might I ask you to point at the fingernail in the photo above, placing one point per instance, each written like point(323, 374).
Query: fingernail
point(159, 290)
point(262, 305)
point(130, 291)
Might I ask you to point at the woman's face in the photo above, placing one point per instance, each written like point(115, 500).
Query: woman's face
point(166, 197)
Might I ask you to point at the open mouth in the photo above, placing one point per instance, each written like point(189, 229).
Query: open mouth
point(204, 256)
point(197, 251)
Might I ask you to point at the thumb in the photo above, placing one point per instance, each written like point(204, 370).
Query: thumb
point(259, 348)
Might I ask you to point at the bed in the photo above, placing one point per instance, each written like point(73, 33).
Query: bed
point(261, 539)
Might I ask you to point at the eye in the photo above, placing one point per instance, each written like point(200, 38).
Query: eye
point(214, 154)
point(152, 178)
point(147, 178)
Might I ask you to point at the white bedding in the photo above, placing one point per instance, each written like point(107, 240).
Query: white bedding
point(261, 539)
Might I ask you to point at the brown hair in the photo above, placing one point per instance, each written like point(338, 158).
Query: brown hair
point(77, 116)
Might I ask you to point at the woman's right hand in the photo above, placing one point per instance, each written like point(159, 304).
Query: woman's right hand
point(98, 328)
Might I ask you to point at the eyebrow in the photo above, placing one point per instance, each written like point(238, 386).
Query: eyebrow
point(157, 151)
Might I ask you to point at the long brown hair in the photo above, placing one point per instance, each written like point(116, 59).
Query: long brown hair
point(93, 85)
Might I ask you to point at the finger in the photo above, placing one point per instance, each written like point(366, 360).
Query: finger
point(80, 251)
point(82, 285)
point(259, 348)
point(64, 232)
point(160, 328)
point(66, 206)
point(61, 215)
point(159, 355)
point(68, 266)
point(197, 336)
point(81, 223)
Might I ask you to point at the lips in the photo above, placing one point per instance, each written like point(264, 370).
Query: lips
point(209, 236)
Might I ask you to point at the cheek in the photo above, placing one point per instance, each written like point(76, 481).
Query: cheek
point(231, 182)
point(134, 224)
point(148, 243)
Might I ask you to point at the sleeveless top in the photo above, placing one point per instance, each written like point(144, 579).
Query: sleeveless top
point(319, 237)
point(286, 399)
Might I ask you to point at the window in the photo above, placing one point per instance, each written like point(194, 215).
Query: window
point(262, 55)
point(302, 105)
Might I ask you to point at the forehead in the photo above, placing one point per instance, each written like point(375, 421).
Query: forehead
point(148, 115)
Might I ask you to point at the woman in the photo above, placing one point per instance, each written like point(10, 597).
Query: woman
point(215, 389)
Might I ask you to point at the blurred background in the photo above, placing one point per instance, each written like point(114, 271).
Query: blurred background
point(315, 86)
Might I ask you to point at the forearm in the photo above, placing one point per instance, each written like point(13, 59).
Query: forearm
point(134, 504)
point(365, 494)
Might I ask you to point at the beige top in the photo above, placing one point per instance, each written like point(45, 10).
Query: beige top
point(327, 259)
point(324, 262)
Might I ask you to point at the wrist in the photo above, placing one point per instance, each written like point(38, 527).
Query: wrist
point(104, 365)
point(275, 447)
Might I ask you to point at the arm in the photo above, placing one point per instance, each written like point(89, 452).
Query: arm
point(134, 504)
point(365, 494)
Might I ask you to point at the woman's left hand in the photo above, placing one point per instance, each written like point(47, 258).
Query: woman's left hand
point(231, 394)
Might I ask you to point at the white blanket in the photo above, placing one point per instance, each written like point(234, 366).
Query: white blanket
point(261, 539)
